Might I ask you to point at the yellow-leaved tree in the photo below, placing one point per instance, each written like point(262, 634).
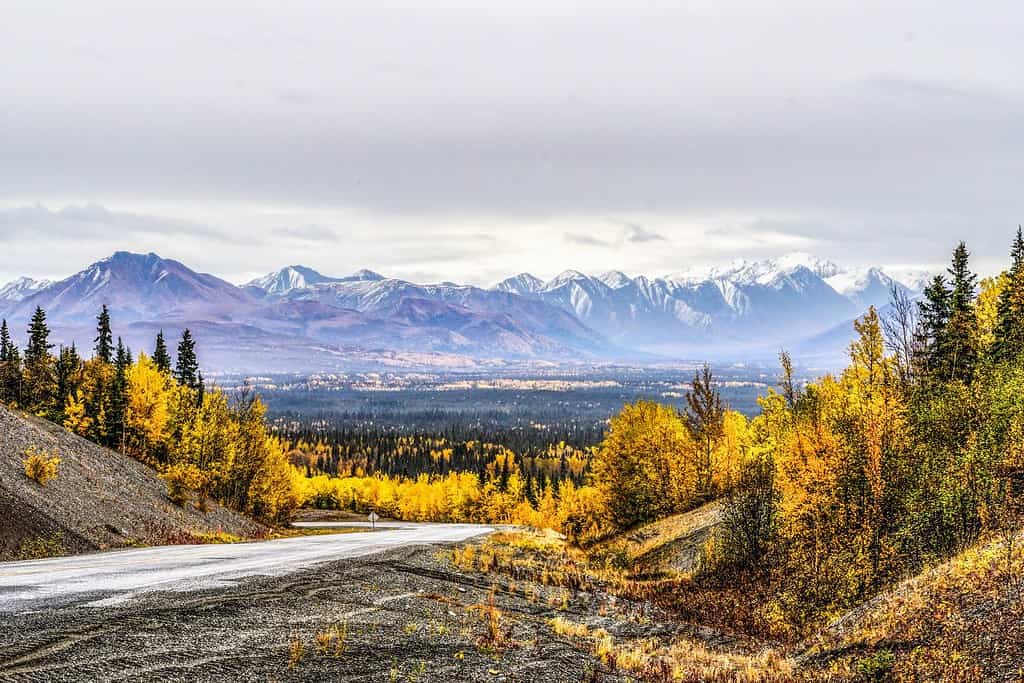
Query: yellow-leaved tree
point(642, 469)
point(146, 412)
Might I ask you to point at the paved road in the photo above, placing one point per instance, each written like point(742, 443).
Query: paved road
point(116, 576)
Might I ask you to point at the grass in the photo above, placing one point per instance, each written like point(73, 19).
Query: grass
point(681, 659)
point(496, 636)
point(529, 561)
point(960, 620)
point(296, 649)
point(332, 640)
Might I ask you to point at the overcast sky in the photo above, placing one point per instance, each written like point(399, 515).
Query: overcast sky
point(469, 141)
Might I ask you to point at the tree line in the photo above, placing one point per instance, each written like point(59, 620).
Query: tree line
point(156, 409)
point(908, 456)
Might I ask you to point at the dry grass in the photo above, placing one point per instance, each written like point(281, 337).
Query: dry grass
point(332, 640)
point(962, 620)
point(296, 650)
point(496, 636)
point(679, 660)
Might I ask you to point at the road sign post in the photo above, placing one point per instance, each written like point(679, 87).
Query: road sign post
point(373, 520)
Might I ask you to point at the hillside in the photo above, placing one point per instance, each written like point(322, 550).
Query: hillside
point(100, 498)
point(961, 620)
point(672, 544)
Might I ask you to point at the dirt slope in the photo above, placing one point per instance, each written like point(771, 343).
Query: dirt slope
point(670, 544)
point(100, 499)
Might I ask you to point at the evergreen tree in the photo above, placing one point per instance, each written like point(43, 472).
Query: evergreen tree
point(104, 349)
point(117, 402)
point(186, 371)
point(1009, 330)
point(5, 341)
point(68, 372)
point(961, 354)
point(39, 379)
point(10, 368)
point(932, 321)
point(161, 358)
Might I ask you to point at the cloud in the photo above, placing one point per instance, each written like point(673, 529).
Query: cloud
point(308, 233)
point(637, 234)
point(585, 240)
point(94, 220)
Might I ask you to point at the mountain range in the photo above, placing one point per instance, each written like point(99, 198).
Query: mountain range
point(297, 319)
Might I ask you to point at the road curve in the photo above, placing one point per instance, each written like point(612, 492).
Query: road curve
point(116, 576)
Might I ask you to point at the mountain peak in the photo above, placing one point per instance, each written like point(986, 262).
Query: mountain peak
point(22, 288)
point(524, 283)
point(288, 278)
point(565, 277)
point(615, 279)
point(365, 274)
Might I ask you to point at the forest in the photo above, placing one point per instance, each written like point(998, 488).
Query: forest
point(834, 490)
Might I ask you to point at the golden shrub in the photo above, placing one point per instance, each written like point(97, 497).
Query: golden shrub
point(40, 466)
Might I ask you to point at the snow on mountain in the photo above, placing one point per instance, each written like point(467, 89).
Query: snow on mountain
point(134, 287)
point(383, 298)
point(21, 288)
point(866, 286)
point(769, 271)
point(524, 283)
point(913, 278)
point(363, 275)
point(748, 305)
point(287, 279)
point(314, 312)
point(291, 278)
point(762, 302)
point(615, 279)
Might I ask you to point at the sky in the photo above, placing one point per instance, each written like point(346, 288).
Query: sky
point(470, 141)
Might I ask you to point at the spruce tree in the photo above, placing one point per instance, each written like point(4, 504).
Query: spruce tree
point(186, 371)
point(39, 380)
point(104, 349)
point(161, 358)
point(933, 317)
point(961, 353)
point(1009, 331)
point(5, 341)
point(10, 368)
point(117, 402)
point(68, 373)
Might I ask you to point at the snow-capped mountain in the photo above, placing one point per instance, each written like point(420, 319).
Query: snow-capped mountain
point(287, 279)
point(745, 308)
point(134, 287)
point(867, 286)
point(524, 283)
point(317, 314)
point(21, 288)
point(746, 304)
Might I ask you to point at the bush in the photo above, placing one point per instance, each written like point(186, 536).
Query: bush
point(38, 548)
point(877, 666)
point(183, 481)
point(40, 466)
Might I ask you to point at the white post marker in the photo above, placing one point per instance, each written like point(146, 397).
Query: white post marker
point(373, 520)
